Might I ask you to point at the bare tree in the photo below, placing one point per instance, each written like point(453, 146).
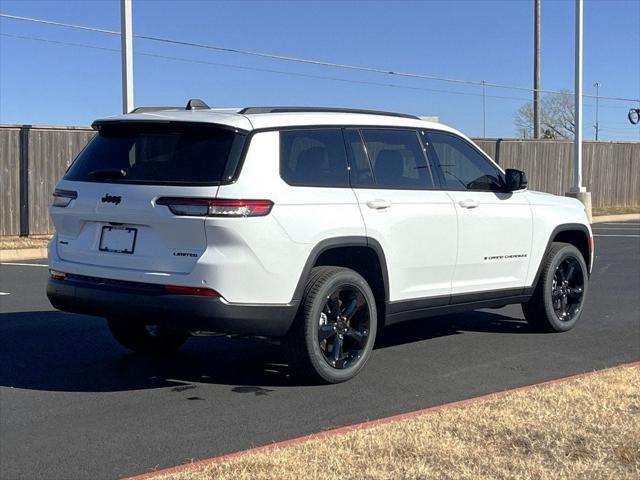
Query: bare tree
point(557, 119)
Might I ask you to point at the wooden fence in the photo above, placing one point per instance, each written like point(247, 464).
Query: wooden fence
point(33, 158)
point(611, 170)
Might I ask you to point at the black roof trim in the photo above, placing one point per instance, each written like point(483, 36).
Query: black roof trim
point(255, 110)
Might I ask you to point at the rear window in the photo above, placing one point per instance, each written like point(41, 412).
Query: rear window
point(398, 159)
point(313, 158)
point(159, 154)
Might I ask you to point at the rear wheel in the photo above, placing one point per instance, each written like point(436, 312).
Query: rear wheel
point(558, 300)
point(335, 330)
point(144, 337)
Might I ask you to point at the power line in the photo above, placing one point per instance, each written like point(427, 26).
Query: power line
point(257, 69)
point(303, 60)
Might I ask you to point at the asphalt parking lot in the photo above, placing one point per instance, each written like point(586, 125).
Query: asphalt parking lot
point(74, 404)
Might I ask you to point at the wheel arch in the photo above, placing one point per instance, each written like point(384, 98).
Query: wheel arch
point(362, 254)
point(576, 234)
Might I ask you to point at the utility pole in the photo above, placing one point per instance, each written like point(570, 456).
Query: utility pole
point(126, 34)
point(597, 85)
point(536, 69)
point(484, 114)
point(578, 190)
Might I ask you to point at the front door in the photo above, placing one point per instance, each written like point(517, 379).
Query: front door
point(494, 227)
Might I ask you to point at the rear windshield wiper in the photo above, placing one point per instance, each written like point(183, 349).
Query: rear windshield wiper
point(108, 173)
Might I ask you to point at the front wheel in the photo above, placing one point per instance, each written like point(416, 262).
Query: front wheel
point(145, 337)
point(559, 297)
point(336, 326)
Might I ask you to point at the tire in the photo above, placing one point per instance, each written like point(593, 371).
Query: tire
point(324, 346)
point(558, 299)
point(141, 337)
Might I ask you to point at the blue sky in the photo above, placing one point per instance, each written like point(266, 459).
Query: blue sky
point(45, 83)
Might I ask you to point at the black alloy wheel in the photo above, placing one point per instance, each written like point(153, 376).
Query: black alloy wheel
point(335, 330)
point(567, 289)
point(559, 296)
point(343, 327)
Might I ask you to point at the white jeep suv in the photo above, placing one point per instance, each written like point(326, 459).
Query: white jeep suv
point(315, 225)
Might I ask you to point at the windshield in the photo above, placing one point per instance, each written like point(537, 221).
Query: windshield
point(159, 153)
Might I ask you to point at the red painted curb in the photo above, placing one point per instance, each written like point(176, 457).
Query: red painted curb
point(364, 425)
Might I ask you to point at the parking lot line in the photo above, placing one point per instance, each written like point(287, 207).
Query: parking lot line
point(628, 236)
point(636, 229)
point(619, 223)
point(15, 264)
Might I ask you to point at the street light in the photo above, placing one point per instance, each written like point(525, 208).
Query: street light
point(597, 85)
point(578, 190)
point(126, 34)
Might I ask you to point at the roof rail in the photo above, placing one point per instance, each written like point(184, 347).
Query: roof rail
point(153, 109)
point(255, 110)
point(192, 104)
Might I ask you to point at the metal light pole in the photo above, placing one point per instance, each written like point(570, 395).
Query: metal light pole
point(536, 69)
point(578, 190)
point(597, 85)
point(577, 141)
point(126, 34)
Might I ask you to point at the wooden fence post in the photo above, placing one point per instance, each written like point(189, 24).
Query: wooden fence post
point(24, 180)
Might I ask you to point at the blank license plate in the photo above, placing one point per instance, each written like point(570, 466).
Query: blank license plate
point(118, 239)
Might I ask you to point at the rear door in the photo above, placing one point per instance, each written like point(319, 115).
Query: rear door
point(115, 220)
point(495, 228)
point(403, 210)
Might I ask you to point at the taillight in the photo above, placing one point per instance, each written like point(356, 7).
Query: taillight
point(198, 291)
point(201, 207)
point(62, 198)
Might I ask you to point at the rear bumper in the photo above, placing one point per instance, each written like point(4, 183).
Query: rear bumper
point(105, 298)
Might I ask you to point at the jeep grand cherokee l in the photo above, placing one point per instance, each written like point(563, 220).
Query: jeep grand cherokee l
point(317, 226)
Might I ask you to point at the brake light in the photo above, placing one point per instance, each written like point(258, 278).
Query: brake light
point(219, 207)
point(198, 291)
point(62, 198)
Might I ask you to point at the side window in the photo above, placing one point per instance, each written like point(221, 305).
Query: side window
point(463, 167)
point(398, 159)
point(360, 172)
point(313, 158)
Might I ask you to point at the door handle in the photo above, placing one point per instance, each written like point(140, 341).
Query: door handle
point(378, 204)
point(468, 203)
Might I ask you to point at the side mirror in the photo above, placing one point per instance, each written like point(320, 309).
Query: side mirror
point(515, 179)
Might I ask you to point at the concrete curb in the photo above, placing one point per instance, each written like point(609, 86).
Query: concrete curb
point(616, 218)
point(22, 254)
point(364, 425)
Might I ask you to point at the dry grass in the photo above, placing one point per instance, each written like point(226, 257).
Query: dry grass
point(615, 210)
point(585, 428)
point(11, 243)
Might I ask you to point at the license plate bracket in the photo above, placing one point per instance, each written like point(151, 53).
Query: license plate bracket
point(116, 239)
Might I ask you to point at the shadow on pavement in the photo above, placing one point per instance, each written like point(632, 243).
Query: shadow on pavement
point(55, 351)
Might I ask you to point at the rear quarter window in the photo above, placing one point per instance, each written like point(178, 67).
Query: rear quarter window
point(313, 158)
